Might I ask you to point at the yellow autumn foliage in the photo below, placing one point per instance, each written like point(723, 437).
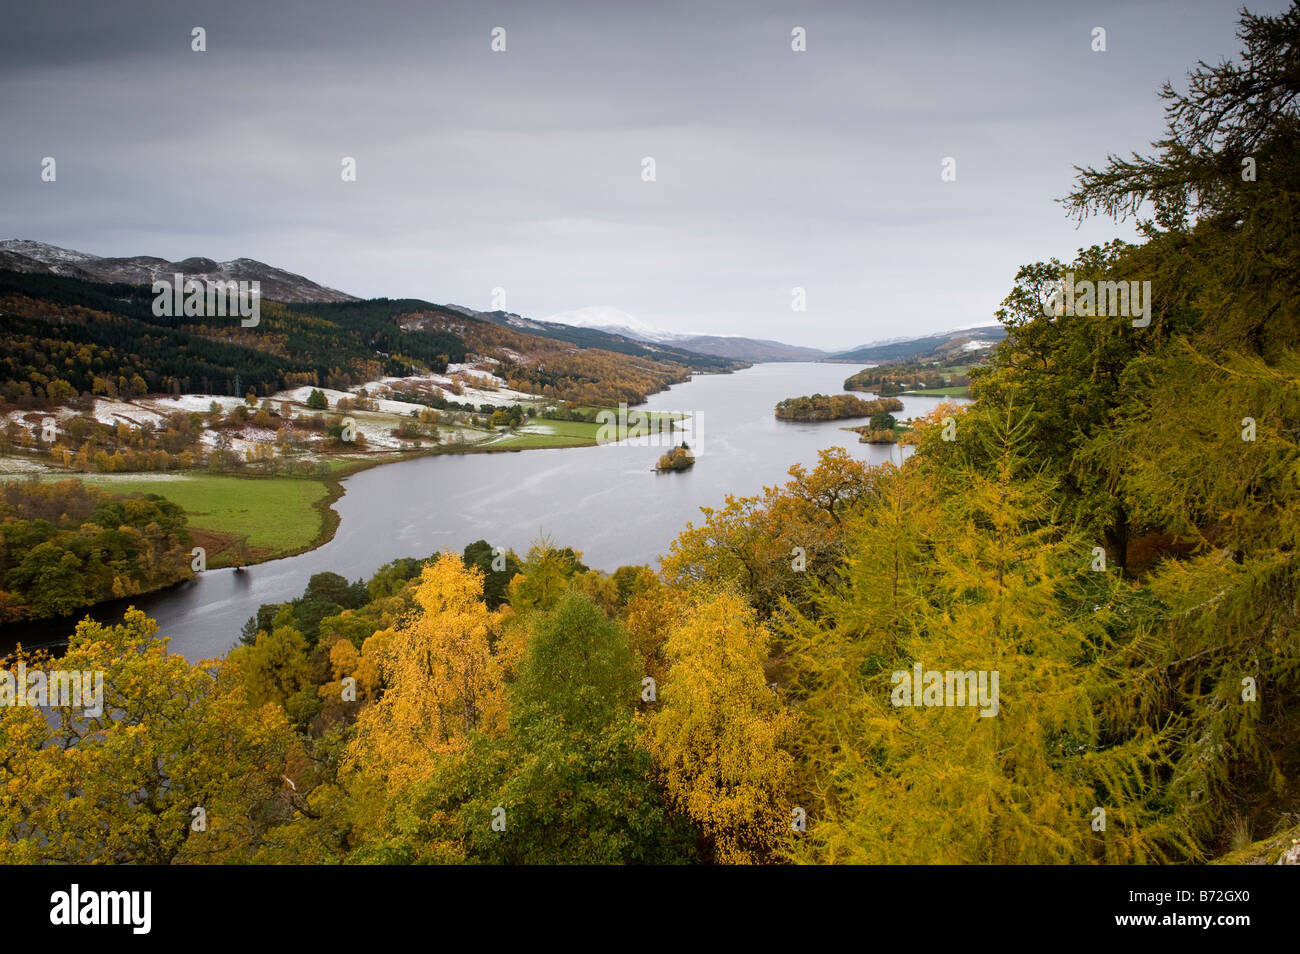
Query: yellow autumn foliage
point(719, 738)
point(441, 676)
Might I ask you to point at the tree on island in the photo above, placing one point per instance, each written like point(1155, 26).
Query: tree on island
point(881, 429)
point(679, 458)
point(832, 407)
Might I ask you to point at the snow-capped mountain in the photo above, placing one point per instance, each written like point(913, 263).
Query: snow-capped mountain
point(962, 340)
point(24, 255)
point(616, 321)
point(50, 255)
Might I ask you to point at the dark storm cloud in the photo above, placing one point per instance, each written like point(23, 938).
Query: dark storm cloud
point(522, 169)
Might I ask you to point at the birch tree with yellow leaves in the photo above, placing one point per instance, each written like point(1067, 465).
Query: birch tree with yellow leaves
point(442, 680)
point(719, 739)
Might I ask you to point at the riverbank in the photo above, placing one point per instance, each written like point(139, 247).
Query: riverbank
point(231, 508)
point(603, 499)
point(243, 519)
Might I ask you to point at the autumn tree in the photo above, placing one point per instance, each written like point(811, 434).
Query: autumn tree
point(985, 581)
point(128, 784)
point(770, 547)
point(720, 735)
point(442, 680)
point(566, 781)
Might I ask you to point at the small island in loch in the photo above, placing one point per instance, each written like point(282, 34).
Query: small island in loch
point(882, 429)
point(679, 458)
point(832, 407)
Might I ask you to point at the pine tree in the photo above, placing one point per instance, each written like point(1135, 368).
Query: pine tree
point(988, 583)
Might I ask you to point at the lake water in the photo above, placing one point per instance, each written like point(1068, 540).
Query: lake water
point(604, 501)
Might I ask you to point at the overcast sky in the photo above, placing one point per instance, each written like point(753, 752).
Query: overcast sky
point(523, 169)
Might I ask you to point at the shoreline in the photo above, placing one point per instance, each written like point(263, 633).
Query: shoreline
point(330, 517)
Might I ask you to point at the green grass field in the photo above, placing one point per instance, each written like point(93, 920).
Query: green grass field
point(519, 441)
point(958, 390)
point(273, 515)
point(251, 519)
point(549, 433)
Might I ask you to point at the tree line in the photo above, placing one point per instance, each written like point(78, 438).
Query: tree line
point(65, 546)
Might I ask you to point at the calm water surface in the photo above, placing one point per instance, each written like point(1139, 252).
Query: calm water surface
point(604, 501)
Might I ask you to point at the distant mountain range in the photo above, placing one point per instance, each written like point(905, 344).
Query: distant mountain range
point(606, 328)
point(949, 345)
point(596, 327)
point(735, 347)
point(749, 349)
point(929, 347)
point(20, 255)
point(607, 340)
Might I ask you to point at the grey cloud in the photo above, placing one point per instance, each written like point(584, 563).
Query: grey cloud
point(522, 169)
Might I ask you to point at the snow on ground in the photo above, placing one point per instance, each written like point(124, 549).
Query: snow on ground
point(377, 433)
point(21, 465)
point(473, 369)
point(191, 402)
point(33, 421)
point(470, 395)
point(502, 396)
point(300, 395)
point(258, 435)
point(141, 476)
point(466, 436)
point(155, 409)
point(404, 408)
point(109, 411)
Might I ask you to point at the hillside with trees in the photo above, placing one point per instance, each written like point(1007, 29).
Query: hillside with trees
point(66, 338)
point(65, 546)
point(912, 377)
point(1111, 528)
point(941, 348)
